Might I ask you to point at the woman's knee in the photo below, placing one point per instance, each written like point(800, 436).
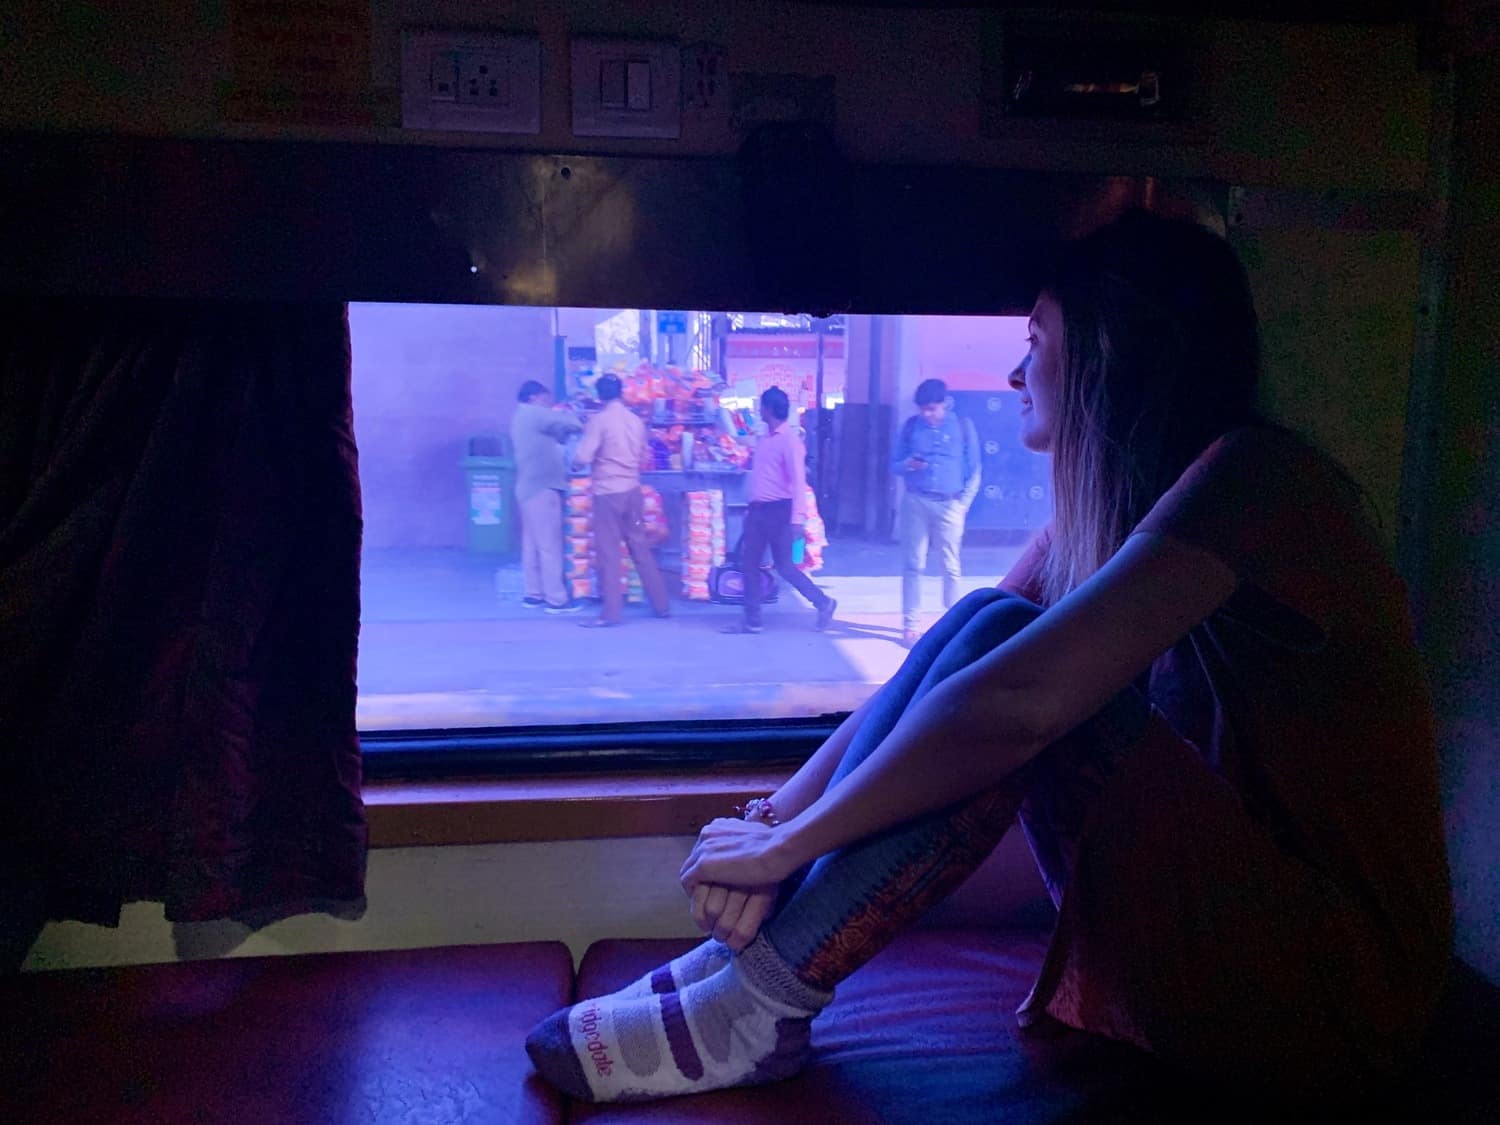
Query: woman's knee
point(1004, 615)
point(960, 613)
point(993, 619)
point(976, 600)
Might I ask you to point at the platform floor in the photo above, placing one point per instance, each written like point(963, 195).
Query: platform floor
point(445, 641)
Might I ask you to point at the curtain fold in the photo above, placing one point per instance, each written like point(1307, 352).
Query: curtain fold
point(179, 608)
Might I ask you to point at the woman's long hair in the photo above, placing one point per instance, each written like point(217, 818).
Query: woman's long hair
point(1160, 356)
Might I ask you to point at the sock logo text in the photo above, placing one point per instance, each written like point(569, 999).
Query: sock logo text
point(593, 1042)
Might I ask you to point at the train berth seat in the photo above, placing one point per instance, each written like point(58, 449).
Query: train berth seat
point(421, 1035)
point(925, 1035)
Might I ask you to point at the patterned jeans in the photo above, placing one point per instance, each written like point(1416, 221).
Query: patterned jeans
point(845, 907)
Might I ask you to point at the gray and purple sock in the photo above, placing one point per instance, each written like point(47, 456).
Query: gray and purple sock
point(745, 1024)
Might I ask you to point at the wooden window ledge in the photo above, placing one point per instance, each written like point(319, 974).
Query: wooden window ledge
point(576, 807)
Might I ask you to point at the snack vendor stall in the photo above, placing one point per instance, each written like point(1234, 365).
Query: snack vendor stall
point(694, 474)
point(693, 446)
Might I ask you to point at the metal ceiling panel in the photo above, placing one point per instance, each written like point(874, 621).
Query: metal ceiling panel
point(786, 227)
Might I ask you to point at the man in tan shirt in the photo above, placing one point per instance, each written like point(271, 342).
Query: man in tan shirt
point(613, 443)
point(537, 434)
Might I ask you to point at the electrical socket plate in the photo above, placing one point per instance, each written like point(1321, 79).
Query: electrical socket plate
point(648, 104)
point(471, 81)
point(705, 81)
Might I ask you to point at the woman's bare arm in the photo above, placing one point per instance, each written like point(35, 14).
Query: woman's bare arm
point(806, 785)
point(983, 723)
point(812, 777)
point(734, 914)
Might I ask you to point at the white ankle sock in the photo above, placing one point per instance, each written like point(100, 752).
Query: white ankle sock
point(698, 963)
point(746, 1024)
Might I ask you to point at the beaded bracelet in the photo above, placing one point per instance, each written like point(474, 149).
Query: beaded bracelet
point(759, 808)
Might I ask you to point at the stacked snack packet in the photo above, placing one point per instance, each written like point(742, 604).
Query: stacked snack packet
point(703, 543)
point(578, 537)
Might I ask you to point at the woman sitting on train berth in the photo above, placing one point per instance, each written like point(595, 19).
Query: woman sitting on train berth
point(1198, 690)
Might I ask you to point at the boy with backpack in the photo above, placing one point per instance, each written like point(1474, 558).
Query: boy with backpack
point(937, 458)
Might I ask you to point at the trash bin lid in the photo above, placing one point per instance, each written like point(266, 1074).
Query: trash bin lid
point(487, 445)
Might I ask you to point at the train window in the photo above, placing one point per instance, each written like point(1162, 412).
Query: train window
point(494, 528)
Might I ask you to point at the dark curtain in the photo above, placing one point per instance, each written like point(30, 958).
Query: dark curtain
point(179, 609)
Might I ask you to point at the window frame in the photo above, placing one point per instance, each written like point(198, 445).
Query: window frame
point(699, 744)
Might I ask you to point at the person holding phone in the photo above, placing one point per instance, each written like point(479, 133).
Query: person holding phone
point(937, 458)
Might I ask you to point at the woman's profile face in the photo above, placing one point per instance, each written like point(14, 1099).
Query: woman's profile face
point(1038, 378)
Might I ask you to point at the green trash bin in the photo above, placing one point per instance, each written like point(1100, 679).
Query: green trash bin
point(491, 484)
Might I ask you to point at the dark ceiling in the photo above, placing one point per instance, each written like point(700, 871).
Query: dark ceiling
point(1299, 11)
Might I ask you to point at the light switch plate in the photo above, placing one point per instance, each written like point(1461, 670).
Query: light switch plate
point(471, 81)
point(652, 94)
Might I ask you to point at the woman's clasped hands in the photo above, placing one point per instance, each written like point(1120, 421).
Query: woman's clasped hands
point(731, 877)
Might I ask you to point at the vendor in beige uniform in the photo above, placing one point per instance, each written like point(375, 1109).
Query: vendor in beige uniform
point(613, 443)
point(537, 433)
